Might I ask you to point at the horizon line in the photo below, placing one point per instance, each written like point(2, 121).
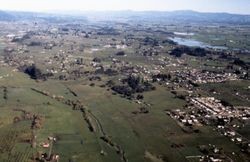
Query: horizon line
point(57, 11)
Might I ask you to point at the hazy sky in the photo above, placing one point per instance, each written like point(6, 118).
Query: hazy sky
point(232, 6)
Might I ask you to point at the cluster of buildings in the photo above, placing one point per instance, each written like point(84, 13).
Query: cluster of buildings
point(214, 108)
point(202, 77)
point(227, 120)
point(185, 118)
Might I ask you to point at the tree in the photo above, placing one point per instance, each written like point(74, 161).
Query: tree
point(34, 72)
point(120, 53)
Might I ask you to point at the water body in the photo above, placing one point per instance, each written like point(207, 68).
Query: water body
point(184, 33)
point(195, 43)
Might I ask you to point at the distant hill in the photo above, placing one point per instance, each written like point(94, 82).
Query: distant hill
point(166, 16)
point(185, 16)
point(34, 16)
point(206, 17)
point(4, 16)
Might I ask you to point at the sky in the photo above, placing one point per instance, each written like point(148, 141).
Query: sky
point(231, 6)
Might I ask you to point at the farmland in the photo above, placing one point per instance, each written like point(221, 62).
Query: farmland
point(85, 92)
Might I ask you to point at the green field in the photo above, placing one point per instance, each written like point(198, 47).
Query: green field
point(136, 134)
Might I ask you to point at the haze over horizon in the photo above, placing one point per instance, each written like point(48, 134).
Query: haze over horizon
point(229, 6)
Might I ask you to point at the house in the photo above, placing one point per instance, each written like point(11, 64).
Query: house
point(45, 145)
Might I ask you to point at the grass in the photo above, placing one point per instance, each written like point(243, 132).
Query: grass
point(153, 132)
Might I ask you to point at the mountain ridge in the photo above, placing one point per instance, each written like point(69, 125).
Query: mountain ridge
point(170, 16)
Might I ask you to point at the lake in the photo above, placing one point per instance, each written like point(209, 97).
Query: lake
point(183, 33)
point(195, 43)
